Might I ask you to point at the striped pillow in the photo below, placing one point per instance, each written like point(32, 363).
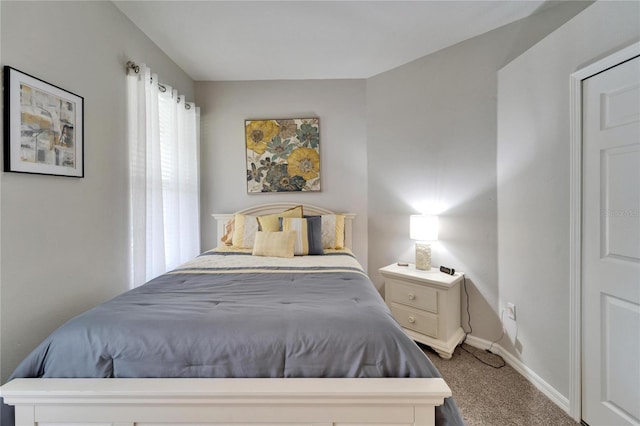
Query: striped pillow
point(274, 244)
point(308, 234)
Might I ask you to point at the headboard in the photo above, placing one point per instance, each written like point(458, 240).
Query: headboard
point(308, 209)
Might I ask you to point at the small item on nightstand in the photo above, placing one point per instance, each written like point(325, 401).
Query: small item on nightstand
point(446, 270)
point(403, 264)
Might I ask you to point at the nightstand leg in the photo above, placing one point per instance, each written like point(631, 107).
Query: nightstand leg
point(444, 355)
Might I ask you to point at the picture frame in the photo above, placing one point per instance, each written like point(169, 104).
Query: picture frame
point(283, 155)
point(43, 127)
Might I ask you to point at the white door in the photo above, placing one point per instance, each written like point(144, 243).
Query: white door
point(611, 246)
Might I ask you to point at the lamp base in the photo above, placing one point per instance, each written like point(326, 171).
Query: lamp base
point(423, 256)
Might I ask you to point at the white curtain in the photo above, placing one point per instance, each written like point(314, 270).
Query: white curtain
point(163, 175)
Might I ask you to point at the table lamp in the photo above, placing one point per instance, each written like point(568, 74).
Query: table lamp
point(423, 229)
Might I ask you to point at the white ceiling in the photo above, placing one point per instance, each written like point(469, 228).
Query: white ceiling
point(282, 40)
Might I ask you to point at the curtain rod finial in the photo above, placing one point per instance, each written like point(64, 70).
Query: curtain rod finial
point(132, 66)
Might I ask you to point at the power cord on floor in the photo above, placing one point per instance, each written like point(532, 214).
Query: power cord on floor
point(466, 333)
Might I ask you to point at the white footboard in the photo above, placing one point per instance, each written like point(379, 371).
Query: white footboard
point(311, 402)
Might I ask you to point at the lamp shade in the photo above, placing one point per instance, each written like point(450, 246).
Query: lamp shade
point(423, 227)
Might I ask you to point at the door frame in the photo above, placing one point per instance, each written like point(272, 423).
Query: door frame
point(575, 211)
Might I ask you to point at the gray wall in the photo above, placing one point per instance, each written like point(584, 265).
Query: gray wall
point(533, 179)
point(431, 140)
point(64, 241)
point(340, 104)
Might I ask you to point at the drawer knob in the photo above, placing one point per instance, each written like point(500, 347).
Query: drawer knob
point(412, 320)
point(412, 296)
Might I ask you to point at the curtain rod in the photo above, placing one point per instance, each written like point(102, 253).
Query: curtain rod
point(136, 69)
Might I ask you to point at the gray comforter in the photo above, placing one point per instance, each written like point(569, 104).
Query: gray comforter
point(233, 315)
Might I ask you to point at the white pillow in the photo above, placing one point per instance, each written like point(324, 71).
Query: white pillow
point(333, 231)
point(244, 231)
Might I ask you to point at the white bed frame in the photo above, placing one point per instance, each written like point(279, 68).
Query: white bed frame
point(256, 402)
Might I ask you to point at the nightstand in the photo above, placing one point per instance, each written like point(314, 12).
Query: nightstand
point(426, 304)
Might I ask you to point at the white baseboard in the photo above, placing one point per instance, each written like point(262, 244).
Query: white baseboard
point(544, 387)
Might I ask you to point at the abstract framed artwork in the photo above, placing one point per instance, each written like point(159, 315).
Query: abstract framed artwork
point(44, 127)
point(283, 155)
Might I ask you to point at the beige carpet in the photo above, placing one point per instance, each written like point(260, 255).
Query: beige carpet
point(494, 397)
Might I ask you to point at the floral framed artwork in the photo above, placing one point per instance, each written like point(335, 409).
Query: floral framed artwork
point(283, 155)
point(44, 132)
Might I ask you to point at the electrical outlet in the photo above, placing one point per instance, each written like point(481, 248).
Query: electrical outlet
point(511, 311)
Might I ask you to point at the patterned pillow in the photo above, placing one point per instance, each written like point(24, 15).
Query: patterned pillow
point(227, 238)
point(333, 231)
point(274, 244)
point(271, 222)
point(244, 230)
point(308, 234)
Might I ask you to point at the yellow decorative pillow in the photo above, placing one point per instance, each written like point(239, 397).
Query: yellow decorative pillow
point(274, 244)
point(333, 231)
point(270, 223)
point(244, 230)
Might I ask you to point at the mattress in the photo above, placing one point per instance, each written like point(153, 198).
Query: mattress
point(231, 314)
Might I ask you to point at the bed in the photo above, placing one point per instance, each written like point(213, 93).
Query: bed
point(235, 339)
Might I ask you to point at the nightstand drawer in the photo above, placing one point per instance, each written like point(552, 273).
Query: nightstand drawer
point(413, 319)
point(415, 295)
